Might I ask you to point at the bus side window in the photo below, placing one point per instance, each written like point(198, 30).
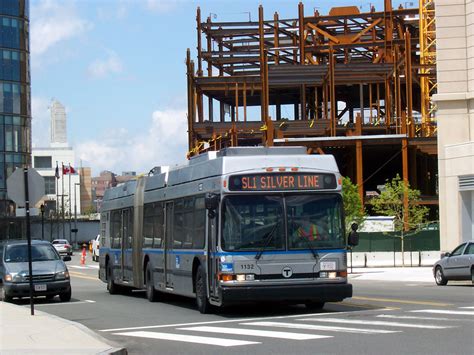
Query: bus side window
point(199, 223)
point(158, 223)
point(116, 229)
point(178, 225)
point(148, 226)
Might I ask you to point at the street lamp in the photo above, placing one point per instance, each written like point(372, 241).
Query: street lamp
point(75, 209)
point(42, 221)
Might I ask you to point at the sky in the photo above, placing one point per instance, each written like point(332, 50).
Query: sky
point(118, 66)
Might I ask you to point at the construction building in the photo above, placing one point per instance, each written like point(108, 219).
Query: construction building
point(354, 84)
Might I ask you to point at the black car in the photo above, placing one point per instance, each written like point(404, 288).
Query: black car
point(50, 274)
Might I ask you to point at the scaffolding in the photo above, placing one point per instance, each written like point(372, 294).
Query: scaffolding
point(356, 85)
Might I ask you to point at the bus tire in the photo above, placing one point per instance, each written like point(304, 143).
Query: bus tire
point(151, 293)
point(314, 305)
point(202, 302)
point(111, 286)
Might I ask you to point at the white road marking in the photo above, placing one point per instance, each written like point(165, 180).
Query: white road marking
point(232, 321)
point(444, 311)
point(370, 322)
point(188, 338)
point(64, 303)
point(472, 307)
point(319, 327)
point(84, 267)
point(255, 332)
point(415, 317)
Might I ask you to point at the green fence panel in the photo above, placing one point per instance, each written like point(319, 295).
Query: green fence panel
point(390, 241)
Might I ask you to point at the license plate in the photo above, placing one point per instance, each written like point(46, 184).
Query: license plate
point(328, 265)
point(41, 287)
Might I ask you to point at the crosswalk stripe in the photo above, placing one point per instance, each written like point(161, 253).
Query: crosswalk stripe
point(319, 327)
point(255, 332)
point(443, 311)
point(472, 307)
point(188, 338)
point(370, 322)
point(415, 317)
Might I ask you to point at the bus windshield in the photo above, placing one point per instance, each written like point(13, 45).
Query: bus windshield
point(311, 221)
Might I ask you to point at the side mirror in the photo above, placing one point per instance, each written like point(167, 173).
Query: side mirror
point(211, 202)
point(66, 258)
point(445, 255)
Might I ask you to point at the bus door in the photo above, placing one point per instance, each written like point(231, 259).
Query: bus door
point(212, 258)
point(168, 249)
point(126, 259)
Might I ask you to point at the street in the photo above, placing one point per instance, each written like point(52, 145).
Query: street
point(382, 317)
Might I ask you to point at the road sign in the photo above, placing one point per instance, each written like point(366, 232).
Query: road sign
point(16, 187)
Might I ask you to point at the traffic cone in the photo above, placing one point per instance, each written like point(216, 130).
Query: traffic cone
point(83, 256)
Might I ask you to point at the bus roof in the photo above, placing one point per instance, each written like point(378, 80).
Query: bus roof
point(230, 161)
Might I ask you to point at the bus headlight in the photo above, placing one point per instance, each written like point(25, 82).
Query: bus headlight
point(245, 277)
point(328, 275)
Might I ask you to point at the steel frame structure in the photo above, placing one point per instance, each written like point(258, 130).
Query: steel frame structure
point(344, 74)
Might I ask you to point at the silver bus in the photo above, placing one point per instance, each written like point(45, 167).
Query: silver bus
point(243, 224)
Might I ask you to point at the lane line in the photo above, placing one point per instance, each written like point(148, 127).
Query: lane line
point(423, 318)
point(472, 307)
point(320, 327)
point(255, 332)
point(83, 276)
point(370, 322)
point(443, 311)
point(188, 338)
point(394, 300)
point(233, 320)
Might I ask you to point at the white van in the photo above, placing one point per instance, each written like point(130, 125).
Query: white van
point(95, 248)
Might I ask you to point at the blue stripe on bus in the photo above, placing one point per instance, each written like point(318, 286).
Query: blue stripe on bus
point(236, 253)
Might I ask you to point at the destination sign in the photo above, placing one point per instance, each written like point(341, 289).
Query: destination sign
point(282, 181)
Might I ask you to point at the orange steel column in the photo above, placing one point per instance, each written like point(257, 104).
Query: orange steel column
point(190, 100)
point(359, 161)
point(301, 31)
point(199, 47)
point(276, 38)
point(409, 83)
point(209, 73)
point(332, 92)
point(261, 34)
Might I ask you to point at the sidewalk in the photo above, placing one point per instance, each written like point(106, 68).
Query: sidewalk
point(43, 333)
point(402, 274)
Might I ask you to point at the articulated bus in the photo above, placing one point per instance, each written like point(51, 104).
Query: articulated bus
point(244, 224)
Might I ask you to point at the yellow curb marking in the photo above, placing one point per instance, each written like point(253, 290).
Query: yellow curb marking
point(394, 300)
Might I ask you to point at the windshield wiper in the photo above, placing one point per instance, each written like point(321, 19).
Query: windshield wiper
point(310, 247)
point(268, 239)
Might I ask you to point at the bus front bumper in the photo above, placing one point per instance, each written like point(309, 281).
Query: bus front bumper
point(286, 293)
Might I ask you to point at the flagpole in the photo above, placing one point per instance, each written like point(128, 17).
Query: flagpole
point(69, 173)
point(62, 199)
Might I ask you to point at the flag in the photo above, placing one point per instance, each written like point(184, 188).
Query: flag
point(72, 170)
point(65, 170)
point(56, 174)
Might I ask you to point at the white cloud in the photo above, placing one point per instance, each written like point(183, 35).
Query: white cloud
point(163, 6)
point(53, 22)
point(100, 68)
point(164, 143)
point(41, 120)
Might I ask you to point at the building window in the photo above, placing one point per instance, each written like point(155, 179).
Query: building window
point(49, 185)
point(43, 162)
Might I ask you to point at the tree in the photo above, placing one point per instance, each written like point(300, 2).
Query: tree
point(353, 209)
point(390, 203)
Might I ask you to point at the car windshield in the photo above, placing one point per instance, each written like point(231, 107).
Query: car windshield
point(19, 253)
point(248, 220)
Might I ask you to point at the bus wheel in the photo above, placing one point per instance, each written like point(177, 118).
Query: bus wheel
point(313, 305)
point(151, 293)
point(201, 294)
point(111, 286)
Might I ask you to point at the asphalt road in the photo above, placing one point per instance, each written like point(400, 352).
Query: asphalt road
point(382, 318)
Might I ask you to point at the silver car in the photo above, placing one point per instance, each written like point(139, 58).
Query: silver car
point(457, 265)
point(50, 274)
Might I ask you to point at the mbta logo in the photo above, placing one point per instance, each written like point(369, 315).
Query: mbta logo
point(287, 272)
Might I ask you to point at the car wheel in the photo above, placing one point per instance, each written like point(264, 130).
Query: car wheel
point(313, 305)
point(50, 297)
point(65, 296)
point(111, 286)
point(201, 295)
point(151, 293)
point(472, 275)
point(6, 296)
point(439, 277)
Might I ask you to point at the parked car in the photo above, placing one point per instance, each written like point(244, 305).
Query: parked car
point(50, 274)
point(62, 246)
point(95, 248)
point(457, 265)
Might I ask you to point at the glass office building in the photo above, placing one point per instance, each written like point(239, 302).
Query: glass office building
point(15, 104)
